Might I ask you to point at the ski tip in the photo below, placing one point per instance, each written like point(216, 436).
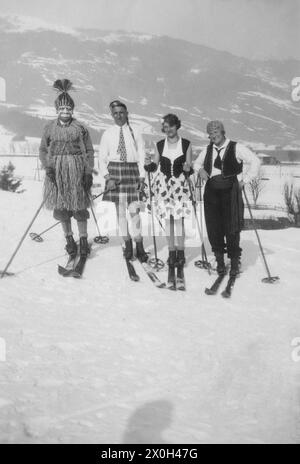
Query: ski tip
point(61, 270)
point(6, 274)
point(76, 275)
point(225, 294)
point(172, 288)
point(208, 291)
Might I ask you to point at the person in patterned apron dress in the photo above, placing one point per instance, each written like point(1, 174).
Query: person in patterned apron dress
point(171, 199)
point(67, 155)
point(121, 163)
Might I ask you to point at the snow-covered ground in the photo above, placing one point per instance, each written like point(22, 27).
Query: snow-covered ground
point(107, 360)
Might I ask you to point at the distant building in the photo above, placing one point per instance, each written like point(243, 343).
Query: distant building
point(268, 159)
point(284, 155)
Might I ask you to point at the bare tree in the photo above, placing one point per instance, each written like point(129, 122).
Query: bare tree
point(292, 201)
point(256, 186)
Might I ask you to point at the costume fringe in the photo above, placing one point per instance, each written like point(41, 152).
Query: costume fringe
point(68, 192)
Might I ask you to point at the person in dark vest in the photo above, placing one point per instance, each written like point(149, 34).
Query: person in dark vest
point(67, 155)
point(226, 166)
point(171, 201)
point(121, 163)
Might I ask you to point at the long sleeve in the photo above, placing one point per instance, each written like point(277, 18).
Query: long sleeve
point(89, 149)
point(251, 163)
point(43, 149)
point(103, 155)
point(142, 154)
point(199, 162)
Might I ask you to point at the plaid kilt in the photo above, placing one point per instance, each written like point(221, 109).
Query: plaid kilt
point(128, 175)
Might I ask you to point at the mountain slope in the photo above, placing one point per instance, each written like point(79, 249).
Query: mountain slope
point(154, 74)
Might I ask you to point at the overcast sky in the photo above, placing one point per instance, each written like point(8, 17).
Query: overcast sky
point(250, 28)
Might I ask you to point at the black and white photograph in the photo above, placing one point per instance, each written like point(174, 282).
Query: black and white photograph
point(149, 224)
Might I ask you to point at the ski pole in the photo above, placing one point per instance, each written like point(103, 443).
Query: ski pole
point(94, 197)
point(199, 263)
point(22, 240)
point(269, 279)
point(204, 264)
point(38, 237)
point(155, 262)
point(99, 238)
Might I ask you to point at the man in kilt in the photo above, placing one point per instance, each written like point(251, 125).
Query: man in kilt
point(121, 162)
point(67, 155)
point(226, 166)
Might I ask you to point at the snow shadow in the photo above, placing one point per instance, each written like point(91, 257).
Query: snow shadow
point(193, 253)
point(250, 253)
point(148, 423)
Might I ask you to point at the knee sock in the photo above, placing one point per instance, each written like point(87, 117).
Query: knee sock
point(82, 228)
point(67, 228)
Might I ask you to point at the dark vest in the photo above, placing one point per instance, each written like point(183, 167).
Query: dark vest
point(230, 166)
point(165, 163)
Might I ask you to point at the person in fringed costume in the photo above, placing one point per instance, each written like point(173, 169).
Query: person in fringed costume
point(121, 163)
point(226, 166)
point(67, 155)
point(171, 198)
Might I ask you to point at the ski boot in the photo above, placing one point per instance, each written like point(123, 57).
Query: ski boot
point(235, 266)
point(71, 246)
point(221, 268)
point(84, 247)
point(180, 262)
point(171, 273)
point(128, 250)
point(141, 255)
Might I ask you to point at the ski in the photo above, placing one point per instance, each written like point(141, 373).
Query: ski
point(2, 274)
point(215, 286)
point(180, 280)
point(66, 270)
point(131, 271)
point(79, 268)
point(171, 284)
point(152, 275)
point(228, 289)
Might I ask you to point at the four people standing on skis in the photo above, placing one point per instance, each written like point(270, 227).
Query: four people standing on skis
point(67, 155)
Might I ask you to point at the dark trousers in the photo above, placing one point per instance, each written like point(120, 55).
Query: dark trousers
point(217, 209)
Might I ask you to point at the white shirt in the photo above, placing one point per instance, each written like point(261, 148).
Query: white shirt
point(173, 150)
point(108, 150)
point(243, 154)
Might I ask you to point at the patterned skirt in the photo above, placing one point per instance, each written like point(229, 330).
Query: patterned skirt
point(128, 175)
point(170, 197)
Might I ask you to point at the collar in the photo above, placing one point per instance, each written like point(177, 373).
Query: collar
point(119, 127)
point(226, 142)
point(64, 125)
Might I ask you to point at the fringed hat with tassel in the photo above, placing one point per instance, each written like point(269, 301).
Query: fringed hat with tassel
point(63, 86)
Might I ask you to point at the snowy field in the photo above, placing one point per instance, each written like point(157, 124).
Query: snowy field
point(28, 167)
point(107, 360)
